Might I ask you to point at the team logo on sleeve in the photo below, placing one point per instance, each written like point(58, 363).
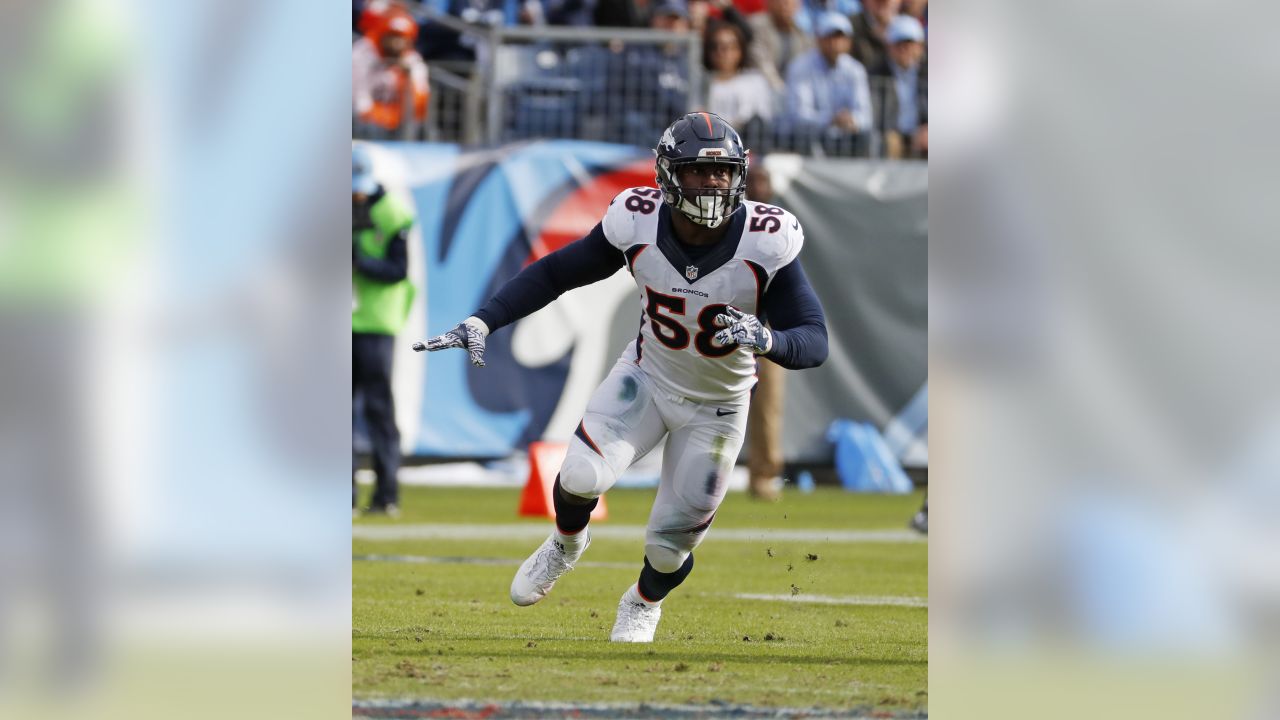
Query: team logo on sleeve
point(691, 272)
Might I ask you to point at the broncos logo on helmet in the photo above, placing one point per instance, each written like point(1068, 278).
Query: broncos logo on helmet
point(702, 137)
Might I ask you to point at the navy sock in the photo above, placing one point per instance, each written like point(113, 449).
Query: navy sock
point(572, 513)
point(654, 585)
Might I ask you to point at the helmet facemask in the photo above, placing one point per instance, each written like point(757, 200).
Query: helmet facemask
point(704, 206)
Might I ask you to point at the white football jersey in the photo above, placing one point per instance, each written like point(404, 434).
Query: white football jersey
point(680, 298)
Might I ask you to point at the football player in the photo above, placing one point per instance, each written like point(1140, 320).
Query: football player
point(710, 267)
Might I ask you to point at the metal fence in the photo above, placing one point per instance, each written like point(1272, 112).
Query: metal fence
point(618, 85)
point(453, 114)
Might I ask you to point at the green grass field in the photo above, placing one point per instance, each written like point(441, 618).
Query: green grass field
point(431, 617)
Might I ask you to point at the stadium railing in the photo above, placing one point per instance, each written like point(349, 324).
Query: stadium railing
point(615, 84)
point(619, 85)
point(454, 112)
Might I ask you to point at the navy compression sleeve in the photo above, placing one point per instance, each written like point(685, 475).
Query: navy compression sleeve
point(582, 262)
point(796, 320)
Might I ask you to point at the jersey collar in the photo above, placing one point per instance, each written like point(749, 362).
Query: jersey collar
point(721, 253)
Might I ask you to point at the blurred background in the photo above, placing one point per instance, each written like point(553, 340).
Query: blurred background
point(1102, 363)
point(173, 369)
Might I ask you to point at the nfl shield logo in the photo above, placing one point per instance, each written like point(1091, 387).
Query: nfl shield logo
point(691, 272)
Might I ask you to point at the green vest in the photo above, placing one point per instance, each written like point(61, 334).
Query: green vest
point(379, 307)
point(66, 240)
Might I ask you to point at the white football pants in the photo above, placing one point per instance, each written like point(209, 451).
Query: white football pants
point(626, 418)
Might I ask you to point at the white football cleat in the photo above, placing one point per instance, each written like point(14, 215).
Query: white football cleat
point(637, 620)
point(540, 571)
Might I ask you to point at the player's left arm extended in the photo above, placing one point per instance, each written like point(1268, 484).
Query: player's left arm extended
point(580, 263)
point(798, 327)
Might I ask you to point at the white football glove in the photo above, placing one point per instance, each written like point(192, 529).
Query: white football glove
point(743, 329)
point(469, 334)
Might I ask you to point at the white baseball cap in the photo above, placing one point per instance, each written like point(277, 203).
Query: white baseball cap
point(833, 22)
point(362, 179)
point(904, 28)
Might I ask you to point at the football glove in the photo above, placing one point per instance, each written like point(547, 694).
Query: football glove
point(469, 334)
point(743, 329)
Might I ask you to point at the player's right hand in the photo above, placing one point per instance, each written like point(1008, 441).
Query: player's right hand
point(741, 328)
point(469, 334)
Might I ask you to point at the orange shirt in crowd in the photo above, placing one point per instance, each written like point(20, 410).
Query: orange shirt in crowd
point(380, 80)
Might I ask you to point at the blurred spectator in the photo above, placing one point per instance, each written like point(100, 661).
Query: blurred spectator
point(705, 13)
point(670, 16)
point(391, 77)
point(826, 88)
point(699, 16)
point(663, 73)
point(381, 297)
point(532, 12)
point(764, 418)
point(498, 13)
point(848, 8)
point(368, 16)
point(869, 27)
point(904, 108)
point(918, 9)
point(777, 39)
point(482, 14)
point(622, 13)
point(807, 15)
point(632, 90)
point(736, 92)
point(920, 521)
point(436, 41)
point(576, 13)
point(370, 19)
point(805, 10)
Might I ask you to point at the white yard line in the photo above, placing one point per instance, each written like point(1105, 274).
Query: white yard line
point(532, 531)
point(896, 600)
point(877, 600)
point(457, 560)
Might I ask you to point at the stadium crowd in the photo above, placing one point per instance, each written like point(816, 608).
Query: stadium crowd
point(838, 77)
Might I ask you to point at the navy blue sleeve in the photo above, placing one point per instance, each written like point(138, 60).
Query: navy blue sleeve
point(796, 320)
point(393, 267)
point(579, 263)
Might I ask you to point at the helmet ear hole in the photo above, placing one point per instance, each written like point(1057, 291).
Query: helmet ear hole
point(667, 182)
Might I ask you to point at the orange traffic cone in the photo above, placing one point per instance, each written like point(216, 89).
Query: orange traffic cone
point(545, 459)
